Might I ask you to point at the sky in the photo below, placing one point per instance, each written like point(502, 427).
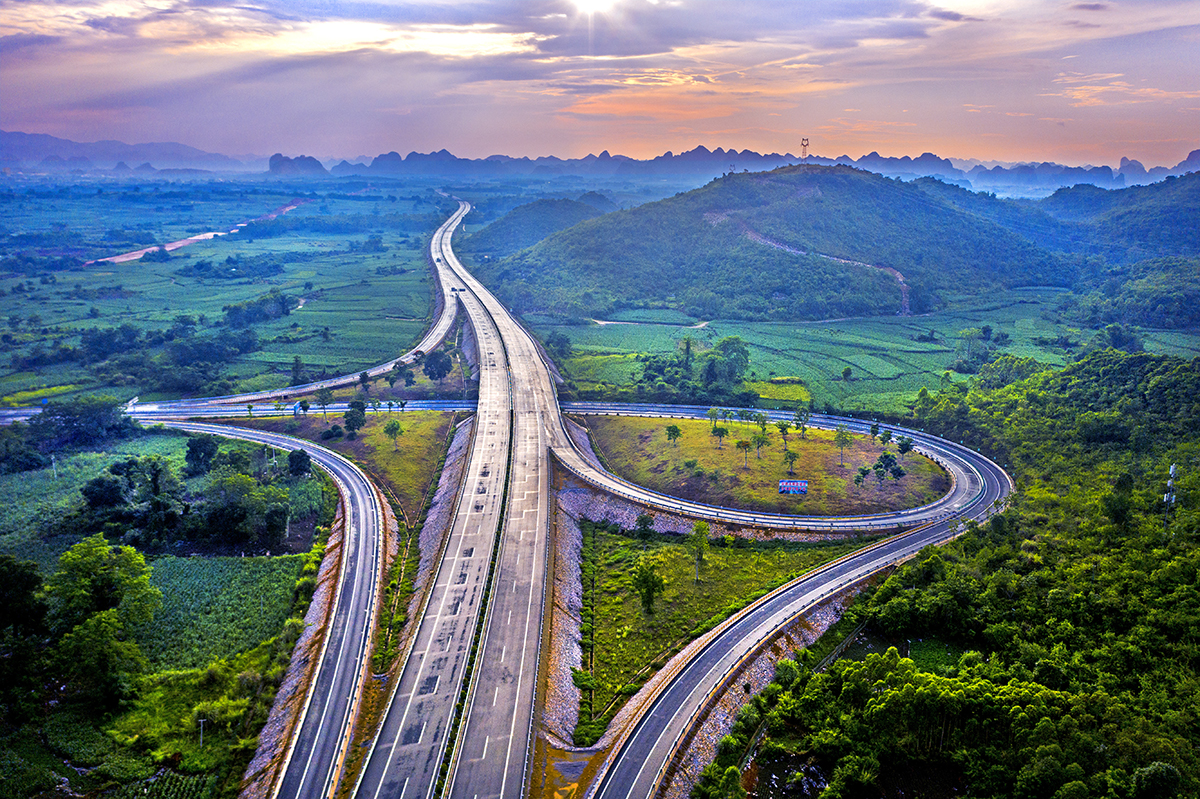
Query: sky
point(1008, 80)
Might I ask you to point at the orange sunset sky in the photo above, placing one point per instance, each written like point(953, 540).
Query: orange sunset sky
point(1074, 82)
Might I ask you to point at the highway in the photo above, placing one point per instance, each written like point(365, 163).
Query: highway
point(318, 747)
point(502, 515)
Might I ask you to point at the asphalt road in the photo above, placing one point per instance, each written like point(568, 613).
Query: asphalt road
point(638, 762)
point(316, 751)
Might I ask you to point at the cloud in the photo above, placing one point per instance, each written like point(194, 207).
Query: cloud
point(1090, 7)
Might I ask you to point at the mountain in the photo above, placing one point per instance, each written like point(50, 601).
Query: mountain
point(803, 242)
point(33, 150)
point(526, 225)
point(280, 164)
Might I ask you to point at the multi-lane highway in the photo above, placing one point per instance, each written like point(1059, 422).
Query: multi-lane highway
point(319, 744)
point(486, 620)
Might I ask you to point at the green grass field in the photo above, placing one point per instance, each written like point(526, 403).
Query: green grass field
point(630, 645)
point(695, 468)
point(215, 607)
point(375, 305)
point(888, 365)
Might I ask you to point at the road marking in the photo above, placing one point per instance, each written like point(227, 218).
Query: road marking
point(495, 696)
point(486, 740)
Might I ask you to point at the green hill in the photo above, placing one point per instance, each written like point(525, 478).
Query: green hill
point(526, 225)
point(776, 245)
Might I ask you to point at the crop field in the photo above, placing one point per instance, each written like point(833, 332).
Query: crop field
point(358, 307)
point(216, 607)
point(35, 501)
point(694, 468)
point(888, 365)
point(629, 645)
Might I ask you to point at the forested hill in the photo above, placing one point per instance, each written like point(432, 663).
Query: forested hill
point(1055, 650)
point(528, 224)
point(765, 246)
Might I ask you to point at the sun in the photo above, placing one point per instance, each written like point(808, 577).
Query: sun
point(591, 7)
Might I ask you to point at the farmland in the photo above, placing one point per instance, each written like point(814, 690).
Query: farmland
point(889, 366)
point(695, 468)
point(358, 303)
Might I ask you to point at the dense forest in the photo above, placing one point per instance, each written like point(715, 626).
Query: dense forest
point(1075, 611)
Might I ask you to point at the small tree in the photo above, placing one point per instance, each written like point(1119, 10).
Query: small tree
point(364, 380)
point(759, 440)
point(437, 365)
point(304, 406)
point(697, 544)
point(885, 437)
point(401, 403)
point(745, 447)
point(355, 419)
point(250, 409)
point(874, 431)
point(299, 462)
point(904, 445)
point(841, 440)
point(297, 371)
point(324, 398)
point(673, 433)
point(847, 373)
point(713, 414)
point(391, 404)
point(790, 457)
point(644, 528)
point(719, 433)
point(801, 420)
point(375, 405)
point(648, 583)
point(393, 430)
point(863, 473)
point(783, 428)
point(762, 421)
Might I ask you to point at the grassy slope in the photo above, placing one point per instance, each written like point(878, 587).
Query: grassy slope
point(628, 641)
point(637, 449)
point(692, 251)
point(526, 225)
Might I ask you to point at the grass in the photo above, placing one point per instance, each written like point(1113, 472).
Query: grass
point(372, 314)
point(216, 606)
point(630, 645)
point(694, 468)
point(36, 500)
point(888, 365)
point(407, 472)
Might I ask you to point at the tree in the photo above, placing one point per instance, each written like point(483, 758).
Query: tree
point(673, 433)
point(783, 428)
point(762, 421)
point(648, 583)
point(790, 458)
point(393, 430)
point(304, 406)
point(401, 403)
point(863, 473)
point(93, 577)
point(719, 433)
point(559, 346)
point(969, 336)
point(297, 371)
point(801, 420)
point(355, 418)
point(201, 449)
point(841, 440)
point(697, 544)
point(375, 405)
point(21, 609)
point(644, 528)
point(847, 373)
point(437, 365)
point(391, 405)
point(713, 414)
point(299, 462)
point(745, 446)
point(874, 431)
point(250, 409)
point(759, 440)
point(324, 398)
point(885, 437)
point(904, 445)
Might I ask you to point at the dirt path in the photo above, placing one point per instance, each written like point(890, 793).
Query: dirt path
point(758, 238)
point(175, 245)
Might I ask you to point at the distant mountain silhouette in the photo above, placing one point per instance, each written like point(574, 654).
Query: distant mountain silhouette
point(31, 150)
point(280, 164)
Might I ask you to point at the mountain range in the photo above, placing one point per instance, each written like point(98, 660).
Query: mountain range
point(38, 152)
